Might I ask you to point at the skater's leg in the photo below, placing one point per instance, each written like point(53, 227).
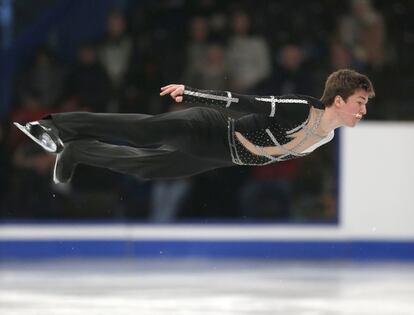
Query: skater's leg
point(136, 129)
point(145, 163)
point(199, 132)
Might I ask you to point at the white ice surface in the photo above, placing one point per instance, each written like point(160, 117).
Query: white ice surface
point(219, 287)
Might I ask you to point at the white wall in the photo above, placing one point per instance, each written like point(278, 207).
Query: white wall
point(377, 189)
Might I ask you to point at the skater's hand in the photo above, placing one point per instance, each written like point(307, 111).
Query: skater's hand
point(176, 91)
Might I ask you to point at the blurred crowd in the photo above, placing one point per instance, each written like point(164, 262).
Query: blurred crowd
point(249, 47)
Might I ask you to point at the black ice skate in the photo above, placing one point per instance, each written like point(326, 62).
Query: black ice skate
point(44, 136)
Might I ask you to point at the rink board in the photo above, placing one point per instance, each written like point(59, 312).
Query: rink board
point(355, 250)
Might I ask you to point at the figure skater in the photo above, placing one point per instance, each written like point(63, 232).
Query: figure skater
point(203, 137)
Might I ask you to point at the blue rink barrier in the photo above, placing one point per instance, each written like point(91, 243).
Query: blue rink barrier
point(354, 250)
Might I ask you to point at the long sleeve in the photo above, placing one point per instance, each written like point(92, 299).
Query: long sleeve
point(266, 105)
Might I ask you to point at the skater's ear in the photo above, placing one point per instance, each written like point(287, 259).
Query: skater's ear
point(339, 101)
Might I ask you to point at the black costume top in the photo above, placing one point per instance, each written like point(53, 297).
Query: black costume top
point(268, 121)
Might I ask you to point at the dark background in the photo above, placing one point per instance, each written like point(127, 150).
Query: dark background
point(113, 56)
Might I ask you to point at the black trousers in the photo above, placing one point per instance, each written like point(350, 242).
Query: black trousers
point(171, 145)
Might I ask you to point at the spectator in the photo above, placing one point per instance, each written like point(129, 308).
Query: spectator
point(88, 81)
point(248, 55)
point(166, 199)
point(115, 55)
point(213, 74)
point(290, 74)
point(140, 93)
point(45, 77)
point(340, 57)
point(363, 30)
point(196, 47)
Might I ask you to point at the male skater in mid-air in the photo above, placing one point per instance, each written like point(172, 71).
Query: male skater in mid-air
point(197, 139)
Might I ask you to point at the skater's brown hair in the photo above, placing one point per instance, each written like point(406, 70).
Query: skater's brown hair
point(344, 83)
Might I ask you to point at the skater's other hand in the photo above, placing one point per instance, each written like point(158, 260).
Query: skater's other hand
point(176, 91)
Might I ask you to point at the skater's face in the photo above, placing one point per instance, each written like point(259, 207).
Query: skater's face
point(352, 110)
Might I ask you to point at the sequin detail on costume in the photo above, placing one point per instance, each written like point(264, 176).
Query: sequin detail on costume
point(212, 97)
point(275, 136)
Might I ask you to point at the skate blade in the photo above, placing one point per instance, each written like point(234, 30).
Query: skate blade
point(27, 133)
point(55, 179)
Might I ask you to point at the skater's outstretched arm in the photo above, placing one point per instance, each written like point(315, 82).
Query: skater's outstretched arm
point(266, 105)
